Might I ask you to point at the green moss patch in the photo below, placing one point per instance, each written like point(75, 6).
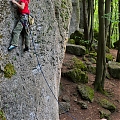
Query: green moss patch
point(79, 64)
point(9, 70)
point(77, 36)
point(77, 76)
point(2, 115)
point(107, 105)
point(86, 92)
point(71, 41)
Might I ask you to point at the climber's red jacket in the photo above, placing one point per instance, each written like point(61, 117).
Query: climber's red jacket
point(26, 9)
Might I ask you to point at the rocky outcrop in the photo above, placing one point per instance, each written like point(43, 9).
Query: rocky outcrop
point(75, 17)
point(25, 93)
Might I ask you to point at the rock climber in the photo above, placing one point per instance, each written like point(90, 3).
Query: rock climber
point(22, 25)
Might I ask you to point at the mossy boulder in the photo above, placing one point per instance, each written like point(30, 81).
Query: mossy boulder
point(71, 41)
point(91, 68)
point(77, 63)
point(9, 70)
point(93, 55)
point(105, 114)
point(114, 69)
point(76, 76)
point(75, 49)
point(107, 105)
point(77, 36)
point(86, 92)
point(64, 107)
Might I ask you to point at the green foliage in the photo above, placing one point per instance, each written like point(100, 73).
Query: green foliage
point(111, 17)
point(9, 70)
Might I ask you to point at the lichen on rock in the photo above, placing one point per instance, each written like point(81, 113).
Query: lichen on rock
point(9, 70)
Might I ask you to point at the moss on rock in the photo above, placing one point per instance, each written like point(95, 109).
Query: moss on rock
point(71, 41)
point(9, 70)
point(77, 36)
point(79, 64)
point(2, 115)
point(109, 57)
point(93, 54)
point(86, 92)
point(77, 76)
point(108, 105)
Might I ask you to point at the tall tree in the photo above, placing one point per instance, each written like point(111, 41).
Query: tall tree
point(109, 43)
point(91, 25)
point(86, 33)
point(118, 53)
point(101, 61)
point(107, 18)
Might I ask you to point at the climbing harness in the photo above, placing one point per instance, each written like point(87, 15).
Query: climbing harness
point(40, 68)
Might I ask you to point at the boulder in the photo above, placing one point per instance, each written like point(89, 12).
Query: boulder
point(104, 114)
point(82, 104)
point(86, 92)
point(76, 75)
point(107, 105)
point(114, 69)
point(75, 49)
point(64, 107)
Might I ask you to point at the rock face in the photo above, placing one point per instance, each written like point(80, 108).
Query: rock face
point(75, 18)
point(25, 95)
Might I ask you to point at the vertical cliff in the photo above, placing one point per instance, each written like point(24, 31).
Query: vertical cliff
point(75, 17)
point(25, 95)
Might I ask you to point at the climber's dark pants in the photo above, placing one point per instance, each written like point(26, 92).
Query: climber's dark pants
point(22, 26)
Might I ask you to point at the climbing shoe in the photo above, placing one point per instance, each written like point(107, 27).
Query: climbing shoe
point(26, 49)
point(11, 47)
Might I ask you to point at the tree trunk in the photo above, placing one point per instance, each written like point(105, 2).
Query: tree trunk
point(91, 34)
point(100, 66)
point(107, 19)
point(86, 33)
point(110, 27)
point(118, 53)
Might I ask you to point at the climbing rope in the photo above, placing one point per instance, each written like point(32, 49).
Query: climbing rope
point(46, 79)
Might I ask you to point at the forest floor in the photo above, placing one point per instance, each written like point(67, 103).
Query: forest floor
point(92, 112)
